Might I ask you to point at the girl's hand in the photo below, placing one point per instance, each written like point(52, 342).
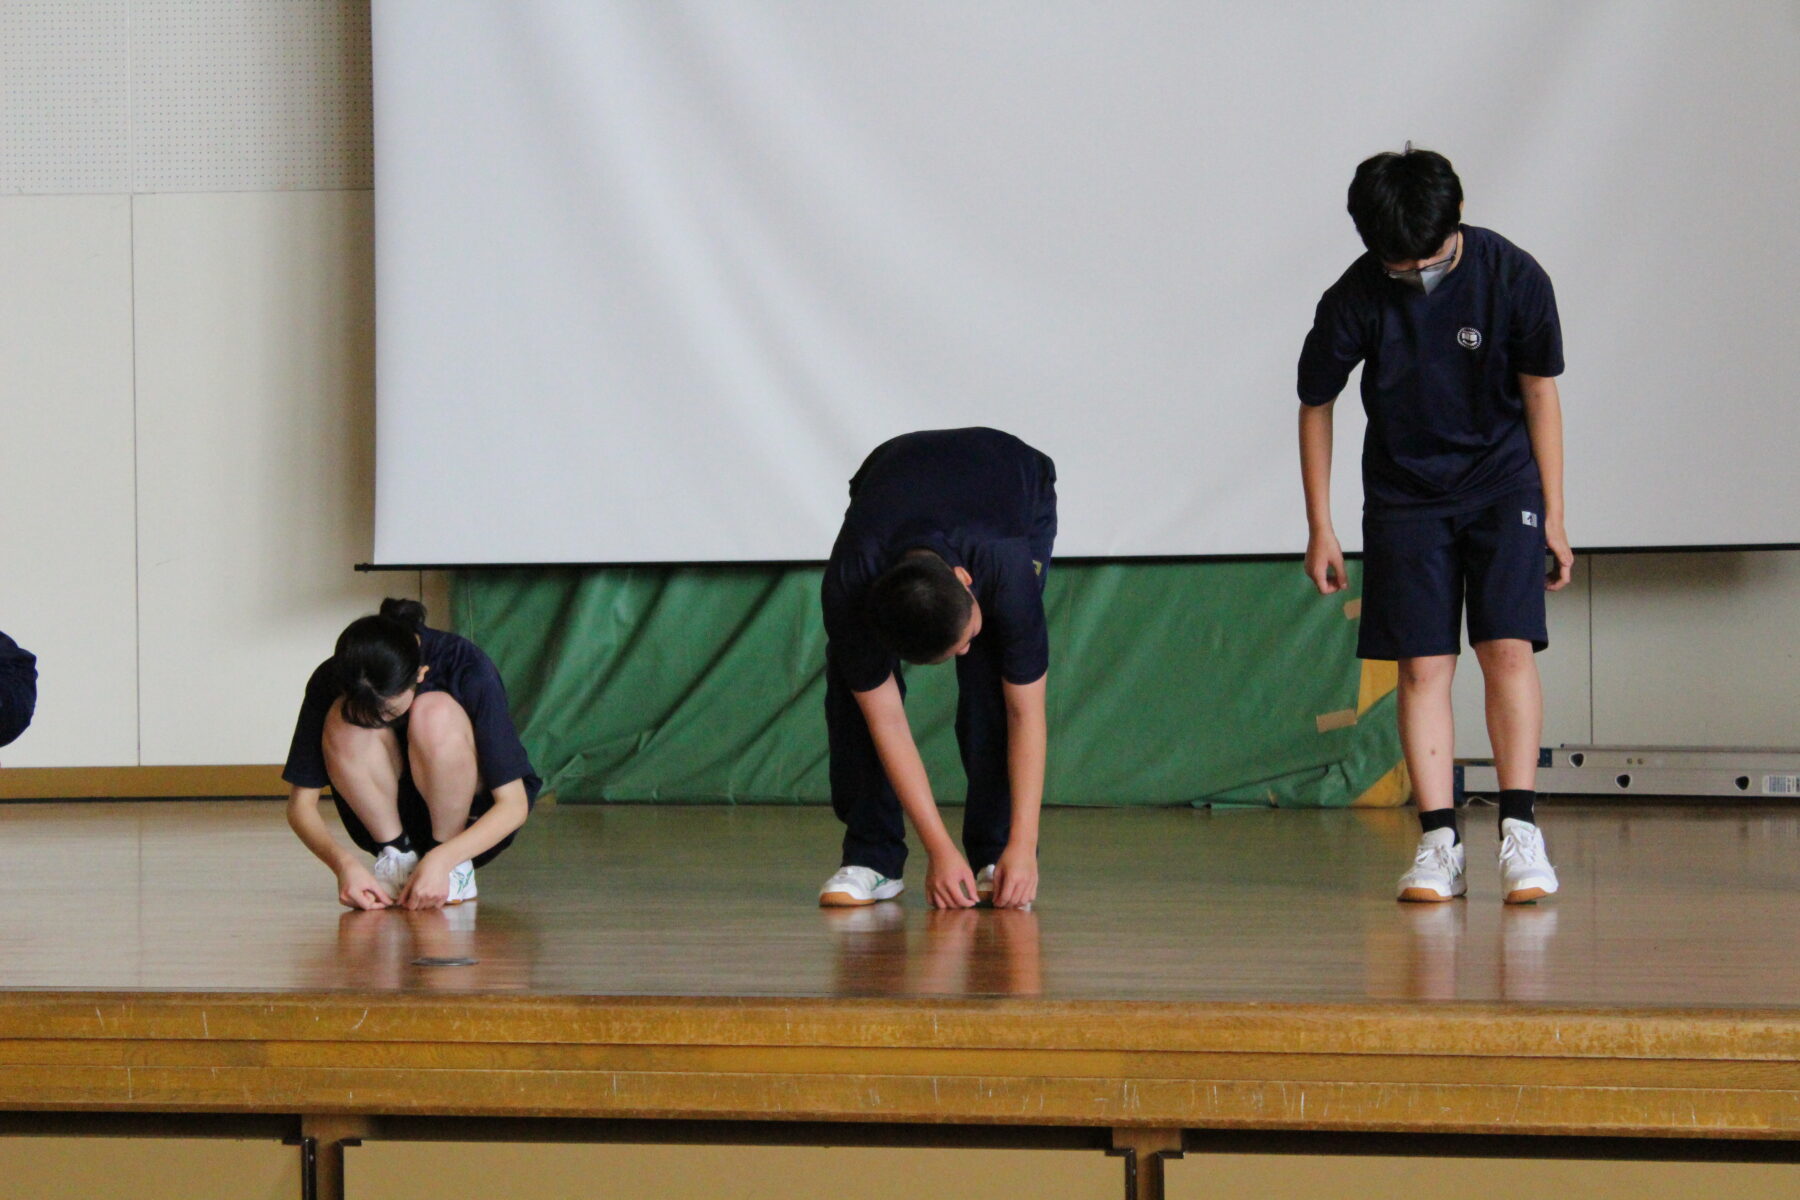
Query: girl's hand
point(429, 886)
point(357, 888)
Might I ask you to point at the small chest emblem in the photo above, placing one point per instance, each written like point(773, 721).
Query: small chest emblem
point(1468, 338)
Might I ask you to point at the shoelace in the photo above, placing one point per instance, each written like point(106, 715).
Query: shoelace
point(391, 863)
point(1435, 856)
point(1522, 847)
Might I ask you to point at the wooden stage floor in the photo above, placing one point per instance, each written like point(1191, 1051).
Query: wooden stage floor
point(1184, 970)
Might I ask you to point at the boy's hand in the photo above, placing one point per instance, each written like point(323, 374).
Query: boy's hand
point(357, 888)
point(1558, 543)
point(1016, 877)
point(429, 885)
point(1325, 563)
point(948, 881)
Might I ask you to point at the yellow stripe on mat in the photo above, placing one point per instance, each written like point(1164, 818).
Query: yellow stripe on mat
point(1390, 791)
point(1378, 679)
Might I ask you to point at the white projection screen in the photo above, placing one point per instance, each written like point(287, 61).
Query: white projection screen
point(653, 276)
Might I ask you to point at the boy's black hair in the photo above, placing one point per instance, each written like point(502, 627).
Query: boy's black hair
point(377, 658)
point(919, 608)
point(1405, 205)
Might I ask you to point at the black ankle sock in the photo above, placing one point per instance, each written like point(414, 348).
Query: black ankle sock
point(1440, 818)
point(403, 844)
point(1515, 805)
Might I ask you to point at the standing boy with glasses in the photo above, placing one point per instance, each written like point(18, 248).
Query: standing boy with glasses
point(1460, 343)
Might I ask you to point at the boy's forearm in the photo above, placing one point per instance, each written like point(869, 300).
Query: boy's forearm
point(1027, 746)
point(905, 770)
point(1543, 421)
point(1315, 463)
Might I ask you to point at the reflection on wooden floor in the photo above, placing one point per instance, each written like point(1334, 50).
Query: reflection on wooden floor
point(1661, 907)
point(1183, 970)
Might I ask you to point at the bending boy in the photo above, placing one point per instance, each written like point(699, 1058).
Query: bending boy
point(942, 555)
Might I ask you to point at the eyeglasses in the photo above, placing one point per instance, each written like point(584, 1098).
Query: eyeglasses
point(1410, 272)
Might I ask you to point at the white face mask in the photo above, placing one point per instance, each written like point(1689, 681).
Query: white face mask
point(1424, 279)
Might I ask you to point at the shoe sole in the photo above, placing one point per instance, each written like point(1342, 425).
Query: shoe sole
point(1419, 895)
point(846, 900)
point(1527, 895)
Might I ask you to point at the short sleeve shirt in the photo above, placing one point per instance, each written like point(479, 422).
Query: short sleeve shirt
point(982, 500)
point(16, 662)
point(459, 668)
point(18, 688)
point(1440, 383)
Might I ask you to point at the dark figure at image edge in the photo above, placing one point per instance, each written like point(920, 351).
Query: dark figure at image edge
point(18, 689)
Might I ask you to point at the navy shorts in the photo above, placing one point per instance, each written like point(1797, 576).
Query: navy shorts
point(1417, 575)
point(415, 819)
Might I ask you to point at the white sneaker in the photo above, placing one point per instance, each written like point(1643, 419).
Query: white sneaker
point(1525, 870)
point(1437, 870)
point(393, 868)
point(462, 883)
point(984, 885)
point(854, 886)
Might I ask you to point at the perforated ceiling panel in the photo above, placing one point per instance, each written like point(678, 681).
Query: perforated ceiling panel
point(243, 95)
point(65, 96)
point(184, 95)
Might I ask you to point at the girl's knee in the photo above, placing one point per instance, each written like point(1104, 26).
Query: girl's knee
point(436, 720)
point(352, 751)
point(343, 738)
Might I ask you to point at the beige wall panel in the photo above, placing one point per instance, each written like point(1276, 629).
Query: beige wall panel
point(1305, 1177)
point(255, 357)
point(67, 589)
point(429, 1171)
point(1563, 668)
point(1697, 649)
point(73, 1168)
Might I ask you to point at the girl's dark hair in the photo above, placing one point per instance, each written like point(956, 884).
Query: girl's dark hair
point(1405, 206)
point(919, 608)
point(377, 658)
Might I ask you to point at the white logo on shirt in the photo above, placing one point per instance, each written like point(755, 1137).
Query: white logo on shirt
point(1530, 519)
point(1468, 338)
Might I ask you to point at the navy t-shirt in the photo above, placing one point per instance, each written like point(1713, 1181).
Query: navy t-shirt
point(1440, 379)
point(982, 500)
point(458, 667)
point(18, 689)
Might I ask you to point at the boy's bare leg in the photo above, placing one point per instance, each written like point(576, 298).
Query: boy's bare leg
point(364, 765)
point(1428, 729)
point(440, 741)
point(1515, 720)
point(1515, 709)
